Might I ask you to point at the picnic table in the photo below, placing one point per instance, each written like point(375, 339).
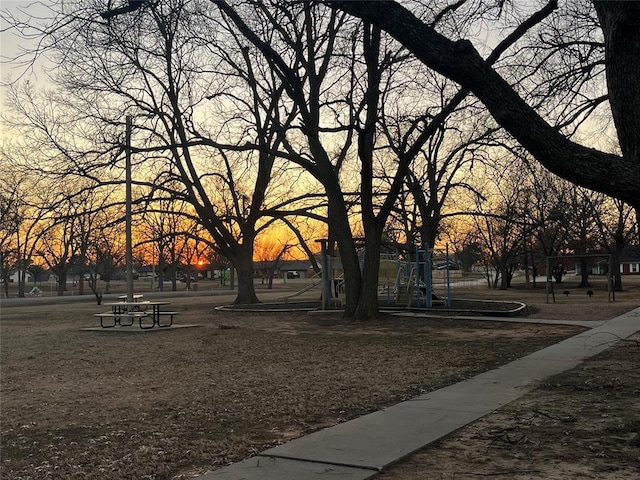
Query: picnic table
point(147, 314)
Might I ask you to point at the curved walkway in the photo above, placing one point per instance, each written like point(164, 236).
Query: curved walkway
point(360, 448)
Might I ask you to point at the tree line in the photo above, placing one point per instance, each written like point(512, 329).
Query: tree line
point(257, 113)
point(81, 236)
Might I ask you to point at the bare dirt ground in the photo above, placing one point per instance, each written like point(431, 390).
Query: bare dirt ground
point(169, 405)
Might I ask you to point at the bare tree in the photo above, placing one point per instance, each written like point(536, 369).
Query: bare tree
point(210, 140)
point(303, 67)
point(459, 60)
point(546, 213)
point(581, 208)
point(167, 228)
point(25, 208)
point(9, 225)
point(369, 77)
point(500, 226)
point(62, 242)
point(466, 247)
point(618, 228)
point(269, 259)
point(107, 251)
point(442, 171)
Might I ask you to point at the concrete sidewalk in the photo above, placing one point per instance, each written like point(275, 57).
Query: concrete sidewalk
point(360, 448)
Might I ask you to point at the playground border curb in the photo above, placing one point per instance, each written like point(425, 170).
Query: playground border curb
point(245, 309)
point(391, 309)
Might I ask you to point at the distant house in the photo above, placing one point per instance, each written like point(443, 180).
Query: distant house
point(215, 271)
point(296, 269)
point(45, 276)
point(630, 260)
point(147, 271)
point(601, 267)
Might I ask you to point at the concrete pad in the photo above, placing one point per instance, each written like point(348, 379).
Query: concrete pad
point(269, 468)
point(137, 329)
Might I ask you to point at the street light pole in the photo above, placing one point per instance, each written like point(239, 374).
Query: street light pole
point(128, 215)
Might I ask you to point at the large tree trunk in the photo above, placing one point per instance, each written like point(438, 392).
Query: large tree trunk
point(616, 255)
point(458, 60)
point(616, 274)
point(161, 269)
point(620, 23)
point(246, 289)
point(504, 277)
point(62, 283)
point(22, 280)
point(243, 264)
point(5, 284)
point(341, 231)
point(4, 268)
point(367, 307)
point(584, 274)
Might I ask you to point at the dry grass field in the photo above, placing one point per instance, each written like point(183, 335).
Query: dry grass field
point(173, 404)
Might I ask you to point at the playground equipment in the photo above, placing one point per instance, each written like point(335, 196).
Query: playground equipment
point(414, 279)
point(315, 281)
point(404, 277)
point(598, 263)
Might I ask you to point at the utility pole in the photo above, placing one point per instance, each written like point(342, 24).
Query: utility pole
point(128, 215)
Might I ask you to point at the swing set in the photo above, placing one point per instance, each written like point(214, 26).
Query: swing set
point(556, 268)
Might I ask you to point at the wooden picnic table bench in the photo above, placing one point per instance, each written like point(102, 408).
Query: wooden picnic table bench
point(148, 314)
